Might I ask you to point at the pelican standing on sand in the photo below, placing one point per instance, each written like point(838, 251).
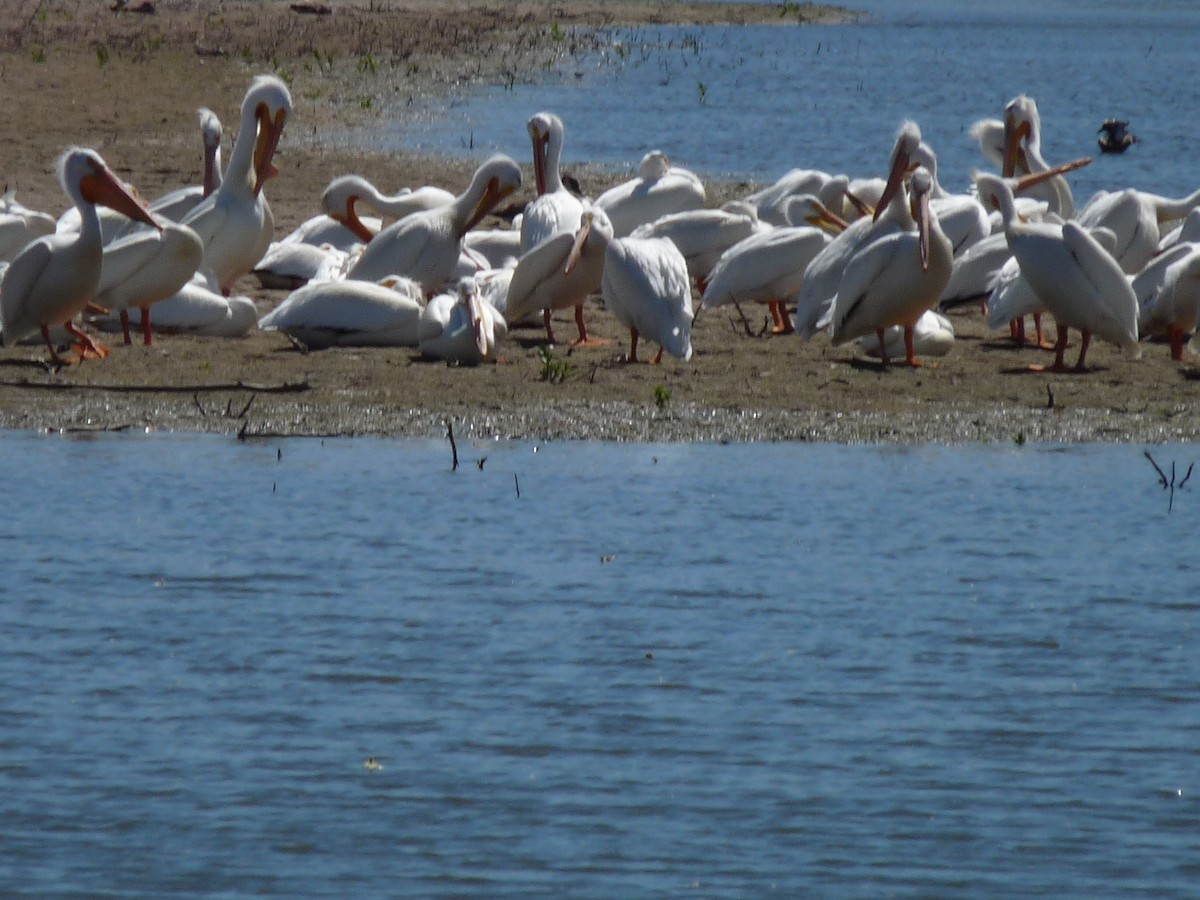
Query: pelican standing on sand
point(425, 246)
point(555, 208)
point(235, 221)
point(896, 279)
point(55, 277)
point(646, 287)
point(1080, 282)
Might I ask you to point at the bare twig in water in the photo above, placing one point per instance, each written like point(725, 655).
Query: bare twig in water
point(1049, 397)
point(1169, 484)
point(517, 484)
point(453, 445)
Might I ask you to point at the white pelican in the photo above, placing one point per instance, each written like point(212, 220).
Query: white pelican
point(460, 326)
point(1135, 217)
point(645, 286)
point(19, 225)
point(702, 235)
point(933, 335)
point(894, 280)
point(771, 202)
point(425, 246)
point(176, 204)
point(1187, 231)
point(659, 190)
point(142, 268)
point(1078, 280)
point(767, 267)
point(350, 314)
point(962, 217)
point(198, 308)
point(892, 215)
point(555, 208)
point(235, 222)
point(54, 277)
point(1023, 155)
point(560, 273)
point(1168, 295)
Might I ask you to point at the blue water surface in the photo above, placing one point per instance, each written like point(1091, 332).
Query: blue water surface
point(596, 670)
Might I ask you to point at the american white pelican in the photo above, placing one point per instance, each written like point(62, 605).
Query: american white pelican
point(767, 267)
point(962, 217)
point(1187, 231)
point(894, 280)
point(645, 286)
point(350, 314)
point(235, 222)
point(54, 277)
point(142, 268)
point(659, 190)
point(1168, 295)
point(1078, 280)
point(702, 235)
point(892, 215)
point(771, 202)
point(560, 273)
point(425, 246)
point(1023, 155)
point(1136, 218)
point(176, 204)
point(555, 208)
point(460, 327)
point(933, 335)
point(19, 225)
point(198, 308)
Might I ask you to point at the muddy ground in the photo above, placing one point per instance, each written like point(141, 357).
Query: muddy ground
point(128, 85)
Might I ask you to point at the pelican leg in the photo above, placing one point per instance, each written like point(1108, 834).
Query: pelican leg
point(1060, 347)
point(883, 354)
point(1016, 330)
point(124, 315)
point(633, 341)
point(87, 347)
point(54, 357)
point(910, 355)
point(1083, 347)
point(584, 340)
point(783, 321)
point(1040, 335)
point(146, 339)
point(549, 327)
point(658, 358)
point(1176, 336)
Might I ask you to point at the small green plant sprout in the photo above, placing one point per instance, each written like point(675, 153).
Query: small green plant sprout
point(556, 32)
point(101, 54)
point(364, 102)
point(367, 64)
point(702, 90)
point(662, 396)
point(554, 369)
point(38, 54)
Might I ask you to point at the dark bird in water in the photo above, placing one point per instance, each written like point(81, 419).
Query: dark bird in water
point(1115, 136)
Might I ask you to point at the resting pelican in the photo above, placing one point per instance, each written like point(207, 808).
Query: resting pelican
point(555, 208)
point(645, 286)
point(933, 335)
point(1168, 295)
point(560, 273)
point(460, 326)
point(235, 222)
point(659, 190)
point(54, 277)
point(145, 267)
point(19, 225)
point(896, 279)
point(198, 308)
point(702, 235)
point(771, 202)
point(1135, 217)
point(1078, 280)
point(425, 246)
point(350, 314)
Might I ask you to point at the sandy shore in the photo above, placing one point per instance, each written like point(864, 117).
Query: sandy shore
point(129, 85)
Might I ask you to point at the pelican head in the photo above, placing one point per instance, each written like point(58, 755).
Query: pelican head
point(266, 108)
point(210, 129)
point(908, 139)
point(546, 133)
point(86, 178)
point(1022, 125)
point(493, 181)
point(593, 219)
point(654, 165)
point(340, 199)
point(919, 189)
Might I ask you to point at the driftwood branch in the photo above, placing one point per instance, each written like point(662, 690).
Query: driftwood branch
point(286, 387)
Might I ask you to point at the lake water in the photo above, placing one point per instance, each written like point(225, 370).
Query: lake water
point(753, 102)
point(596, 670)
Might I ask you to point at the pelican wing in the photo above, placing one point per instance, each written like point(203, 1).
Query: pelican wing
point(20, 286)
point(535, 271)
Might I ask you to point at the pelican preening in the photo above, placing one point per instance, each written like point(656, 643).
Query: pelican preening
point(555, 208)
point(56, 276)
point(659, 190)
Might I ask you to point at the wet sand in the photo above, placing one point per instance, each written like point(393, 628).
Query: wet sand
point(128, 85)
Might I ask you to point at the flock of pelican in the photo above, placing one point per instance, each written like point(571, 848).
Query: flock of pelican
point(874, 260)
